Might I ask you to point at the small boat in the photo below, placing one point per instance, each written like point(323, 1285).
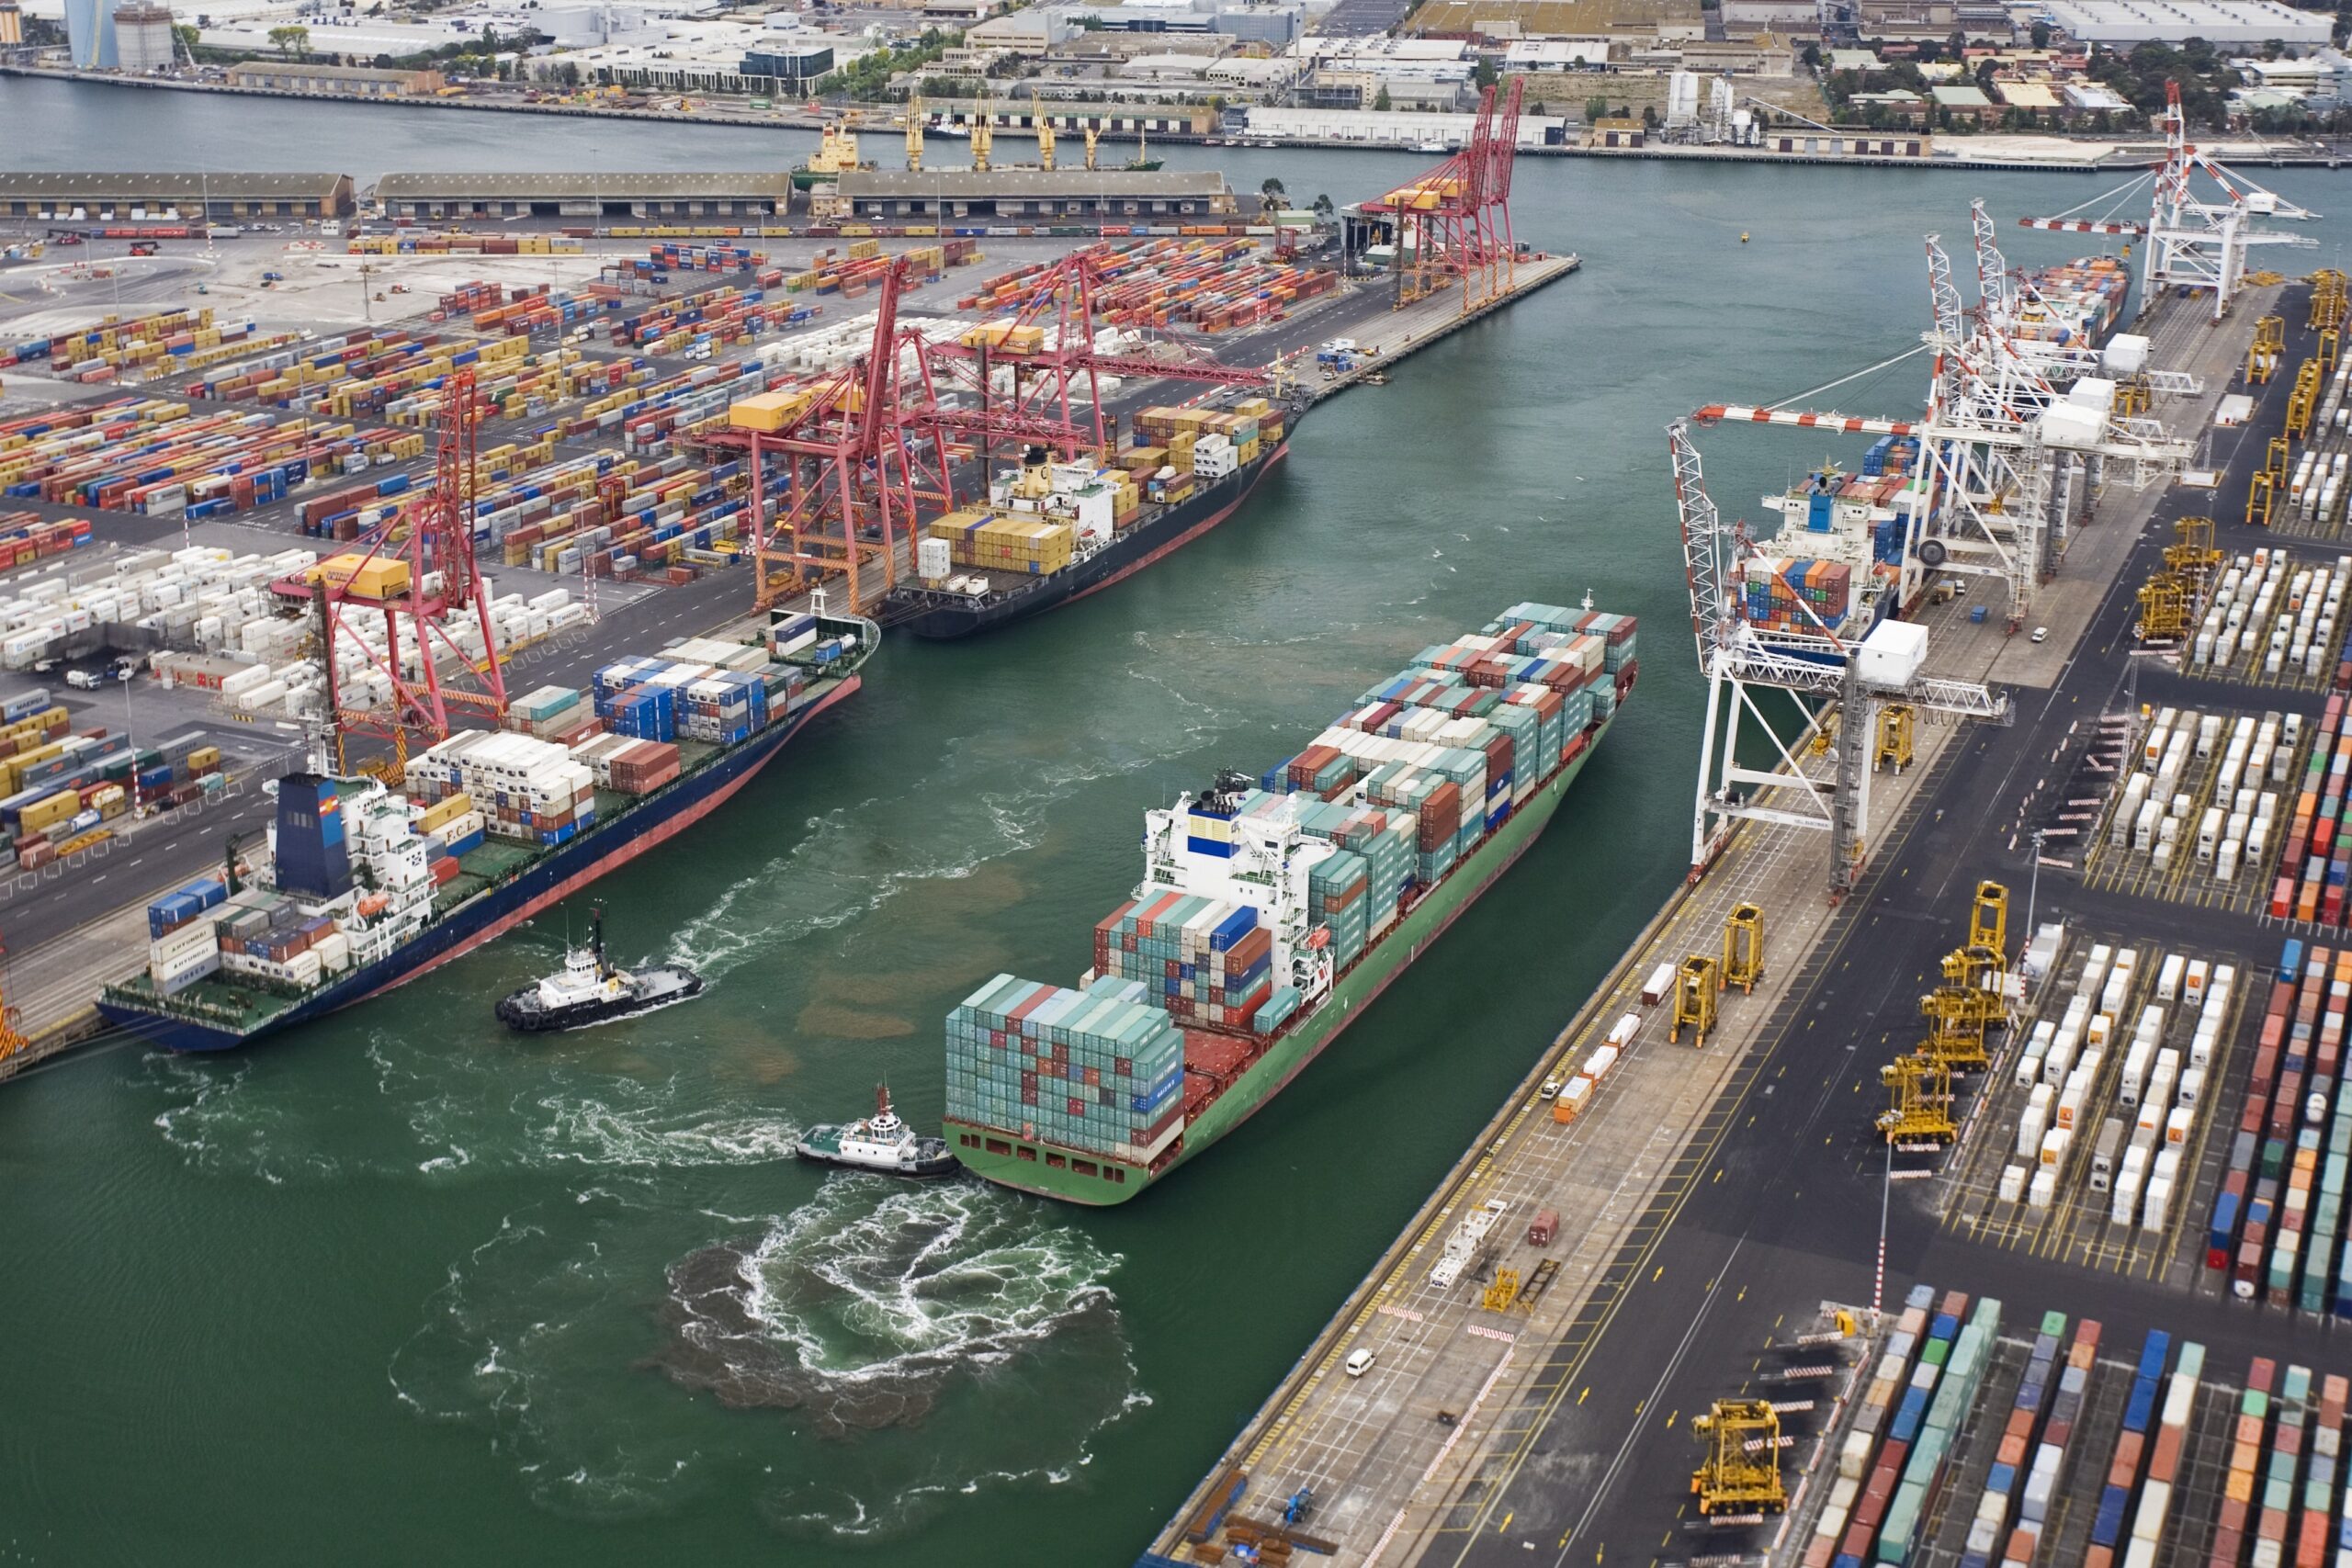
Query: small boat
point(1375, 378)
point(1743, 236)
point(589, 990)
point(880, 1143)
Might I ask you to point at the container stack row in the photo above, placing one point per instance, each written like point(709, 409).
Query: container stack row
point(409, 242)
point(154, 457)
point(163, 343)
point(2316, 859)
point(2266, 617)
point(1925, 1466)
point(27, 537)
point(2208, 787)
point(61, 792)
point(2111, 1523)
point(2278, 1222)
point(1097, 1070)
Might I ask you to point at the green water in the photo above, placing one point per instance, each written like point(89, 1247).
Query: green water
point(403, 1286)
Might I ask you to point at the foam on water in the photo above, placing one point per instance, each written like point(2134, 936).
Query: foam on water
point(966, 1338)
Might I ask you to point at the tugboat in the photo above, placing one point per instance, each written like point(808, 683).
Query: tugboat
point(880, 1143)
point(589, 990)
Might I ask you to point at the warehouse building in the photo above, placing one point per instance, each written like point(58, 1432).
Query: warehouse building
point(335, 81)
point(584, 195)
point(217, 196)
point(1032, 195)
point(2221, 23)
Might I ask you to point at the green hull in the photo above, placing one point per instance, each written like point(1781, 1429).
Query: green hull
point(1297, 1045)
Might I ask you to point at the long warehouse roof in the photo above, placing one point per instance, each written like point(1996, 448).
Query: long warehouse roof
point(523, 188)
point(20, 185)
point(967, 183)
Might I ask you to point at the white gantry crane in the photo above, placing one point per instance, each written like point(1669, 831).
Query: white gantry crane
point(2006, 458)
point(1740, 657)
point(2193, 240)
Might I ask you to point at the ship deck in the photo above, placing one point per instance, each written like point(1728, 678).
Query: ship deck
point(1519, 1467)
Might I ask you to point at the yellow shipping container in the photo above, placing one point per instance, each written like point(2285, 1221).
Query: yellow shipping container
point(443, 810)
point(768, 411)
point(365, 577)
point(48, 811)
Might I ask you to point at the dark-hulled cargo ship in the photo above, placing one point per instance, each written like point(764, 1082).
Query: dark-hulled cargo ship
point(367, 887)
point(1053, 533)
point(1273, 911)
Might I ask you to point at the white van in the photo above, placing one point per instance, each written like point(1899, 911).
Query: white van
point(1359, 1363)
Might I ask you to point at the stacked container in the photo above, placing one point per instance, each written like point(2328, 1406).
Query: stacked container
point(1096, 1070)
point(1204, 960)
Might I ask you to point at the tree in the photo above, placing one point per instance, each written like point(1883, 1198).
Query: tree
point(189, 36)
point(1595, 108)
point(1811, 55)
point(290, 39)
point(1649, 116)
point(1381, 101)
point(2041, 35)
point(1484, 73)
point(1273, 187)
point(1323, 206)
point(568, 74)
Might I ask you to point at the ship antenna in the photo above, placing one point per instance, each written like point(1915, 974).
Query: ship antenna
point(882, 1099)
point(597, 937)
point(1587, 598)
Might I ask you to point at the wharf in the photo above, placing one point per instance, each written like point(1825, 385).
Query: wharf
point(1446, 1447)
point(1406, 332)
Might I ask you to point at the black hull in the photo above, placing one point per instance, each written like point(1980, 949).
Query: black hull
point(515, 1013)
point(943, 617)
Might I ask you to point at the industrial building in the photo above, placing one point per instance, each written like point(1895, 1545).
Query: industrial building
point(223, 196)
point(334, 80)
point(790, 65)
point(12, 25)
point(89, 34)
point(143, 37)
point(757, 195)
point(2221, 23)
point(1623, 19)
point(1036, 196)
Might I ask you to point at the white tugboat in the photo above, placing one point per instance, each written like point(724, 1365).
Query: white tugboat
point(589, 990)
point(880, 1143)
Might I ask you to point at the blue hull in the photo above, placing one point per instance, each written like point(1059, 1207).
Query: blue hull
point(489, 914)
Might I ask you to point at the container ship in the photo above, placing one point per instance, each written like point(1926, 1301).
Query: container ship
point(1271, 911)
point(364, 886)
point(1055, 531)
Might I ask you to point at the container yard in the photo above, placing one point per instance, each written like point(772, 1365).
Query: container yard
point(1965, 1435)
point(2092, 1127)
point(1435, 1417)
point(598, 367)
point(2202, 807)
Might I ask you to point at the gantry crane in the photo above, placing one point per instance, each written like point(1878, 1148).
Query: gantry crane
point(1989, 921)
point(2263, 353)
point(2329, 298)
point(1741, 1474)
point(2192, 554)
point(2193, 242)
point(1918, 1109)
point(2303, 398)
point(1744, 947)
point(417, 588)
point(1964, 1008)
point(2164, 610)
point(1696, 984)
point(1453, 223)
point(1739, 657)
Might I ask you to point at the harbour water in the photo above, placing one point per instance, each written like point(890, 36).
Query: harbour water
point(402, 1285)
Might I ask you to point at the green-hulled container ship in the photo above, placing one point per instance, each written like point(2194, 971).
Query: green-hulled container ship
point(1272, 911)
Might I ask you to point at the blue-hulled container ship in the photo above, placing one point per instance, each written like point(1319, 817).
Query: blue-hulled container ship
point(365, 886)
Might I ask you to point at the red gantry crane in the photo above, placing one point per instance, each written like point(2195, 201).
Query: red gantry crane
point(425, 582)
point(1454, 221)
point(844, 470)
